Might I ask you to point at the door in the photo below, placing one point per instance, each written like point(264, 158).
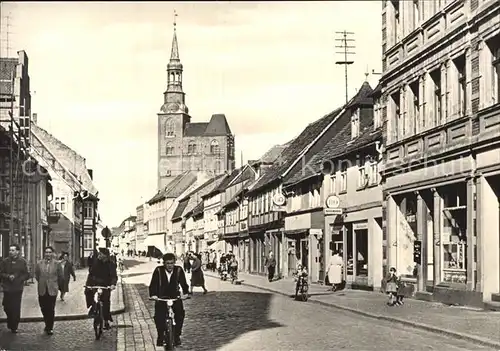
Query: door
point(304, 252)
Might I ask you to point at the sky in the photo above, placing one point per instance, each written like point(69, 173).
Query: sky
point(98, 73)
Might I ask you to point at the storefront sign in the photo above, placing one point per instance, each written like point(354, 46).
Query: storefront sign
point(279, 202)
point(317, 232)
point(360, 226)
point(333, 211)
point(332, 201)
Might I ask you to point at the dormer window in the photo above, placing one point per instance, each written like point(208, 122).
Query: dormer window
point(191, 148)
point(355, 124)
point(377, 114)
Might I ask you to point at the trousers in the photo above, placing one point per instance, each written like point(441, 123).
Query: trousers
point(47, 306)
point(270, 272)
point(12, 307)
point(161, 310)
point(105, 299)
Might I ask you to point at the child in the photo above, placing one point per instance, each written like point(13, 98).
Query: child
point(392, 285)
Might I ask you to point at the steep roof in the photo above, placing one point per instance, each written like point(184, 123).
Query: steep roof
point(224, 183)
point(195, 129)
point(175, 188)
point(198, 209)
point(69, 158)
point(218, 126)
point(273, 153)
point(188, 202)
point(181, 206)
point(342, 144)
point(293, 150)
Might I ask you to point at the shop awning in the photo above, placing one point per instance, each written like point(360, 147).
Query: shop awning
point(218, 245)
point(155, 240)
point(296, 232)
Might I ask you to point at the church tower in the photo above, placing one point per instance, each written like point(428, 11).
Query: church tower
point(172, 119)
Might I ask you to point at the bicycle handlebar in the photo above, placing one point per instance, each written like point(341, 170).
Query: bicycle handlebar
point(167, 300)
point(97, 287)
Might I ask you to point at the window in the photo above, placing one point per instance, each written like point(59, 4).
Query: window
point(462, 86)
point(355, 124)
point(88, 210)
point(333, 185)
point(169, 128)
point(423, 102)
point(416, 14)
point(494, 49)
point(87, 241)
point(214, 147)
point(60, 204)
point(343, 177)
point(373, 175)
point(191, 148)
point(436, 79)
point(296, 202)
point(395, 25)
point(396, 116)
point(377, 114)
point(415, 111)
point(362, 177)
point(170, 149)
point(314, 197)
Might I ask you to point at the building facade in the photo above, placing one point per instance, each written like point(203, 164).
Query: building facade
point(186, 146)
point(440, 103)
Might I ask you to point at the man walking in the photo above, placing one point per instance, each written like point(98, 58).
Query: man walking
point(48, 273)
point(165, 284)
point(13, 274)
point(271, 266)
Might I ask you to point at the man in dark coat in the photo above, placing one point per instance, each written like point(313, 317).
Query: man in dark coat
point(102, 273)
point(13, 274)
point(165, 284)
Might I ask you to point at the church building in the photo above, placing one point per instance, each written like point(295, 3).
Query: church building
point(183, 145)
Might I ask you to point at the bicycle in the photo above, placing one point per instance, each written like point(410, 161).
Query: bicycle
point(168, 338)
point(98, 316)
point(303, 288)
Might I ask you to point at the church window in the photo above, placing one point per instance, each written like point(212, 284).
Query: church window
point(169, 128)
point(214, 147)
point(191, 148)
point(170, 149)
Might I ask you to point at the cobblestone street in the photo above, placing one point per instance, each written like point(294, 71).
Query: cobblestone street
point(68, 335)
point(237, 317)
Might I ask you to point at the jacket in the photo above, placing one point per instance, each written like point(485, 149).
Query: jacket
point(102, 273)
point(162, 288)
point(47, 275)
point(17, 267)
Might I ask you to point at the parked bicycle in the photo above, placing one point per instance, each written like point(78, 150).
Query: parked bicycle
point(98, 309)
point(168, 340)
point(303, 288)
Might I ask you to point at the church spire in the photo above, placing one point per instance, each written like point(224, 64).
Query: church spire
point(174, 54)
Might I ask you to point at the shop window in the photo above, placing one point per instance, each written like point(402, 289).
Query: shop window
point(454, 238)
point(361, 250)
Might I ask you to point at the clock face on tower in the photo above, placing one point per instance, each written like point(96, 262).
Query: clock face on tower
point(173, 107)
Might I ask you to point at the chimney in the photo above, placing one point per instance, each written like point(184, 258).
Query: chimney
point(34, 118)
point(91, 173)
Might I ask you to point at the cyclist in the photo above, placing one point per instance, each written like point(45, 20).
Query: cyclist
point(101, 273)
point(300, 276)
point(165, 283)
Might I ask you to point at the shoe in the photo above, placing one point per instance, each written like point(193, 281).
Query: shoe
point(50, 332)
point(14, 331)
point(159, 342)
point(107, 326)
point(177, 341)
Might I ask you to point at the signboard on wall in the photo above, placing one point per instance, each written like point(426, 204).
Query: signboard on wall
point(279, 202)
point(332, 204)
point(360, 226)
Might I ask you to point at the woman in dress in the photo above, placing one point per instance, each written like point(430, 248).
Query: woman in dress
point(335, 270)
point(197, 277)
point(68, 272)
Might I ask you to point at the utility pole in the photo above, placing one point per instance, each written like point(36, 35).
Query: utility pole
point(346, 44)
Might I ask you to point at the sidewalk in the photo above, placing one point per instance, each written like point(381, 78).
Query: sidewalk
point(72, 308)
point(474, 325)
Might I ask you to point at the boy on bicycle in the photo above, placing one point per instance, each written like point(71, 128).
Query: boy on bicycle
point(165, 283)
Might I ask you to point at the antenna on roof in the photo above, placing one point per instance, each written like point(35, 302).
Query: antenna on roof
point(346, 45)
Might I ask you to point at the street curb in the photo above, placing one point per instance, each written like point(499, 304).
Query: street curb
point(426, 327)
point(72, 317)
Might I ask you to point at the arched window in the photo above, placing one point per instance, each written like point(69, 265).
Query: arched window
point(191, 148)
point(214, 147)
point(169, 128)
point(170, 149)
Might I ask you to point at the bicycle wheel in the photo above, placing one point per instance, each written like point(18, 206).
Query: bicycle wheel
point(303, 293)
point(169, 336)
point(98, 322)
